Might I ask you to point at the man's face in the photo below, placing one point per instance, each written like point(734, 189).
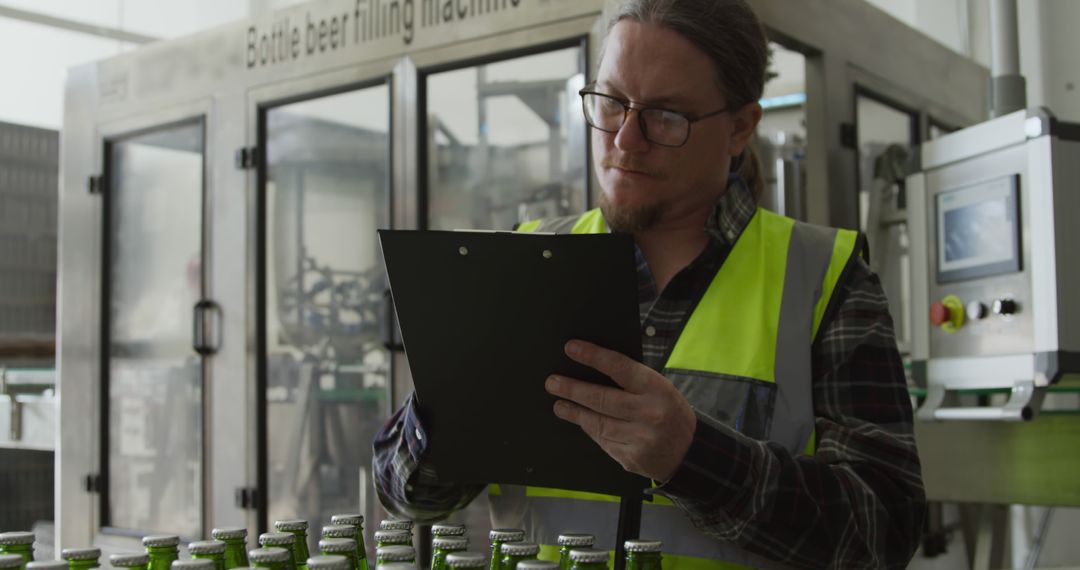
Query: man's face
point(644, 184)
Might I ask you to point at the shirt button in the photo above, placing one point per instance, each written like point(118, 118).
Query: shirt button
point(650, 331)
point(419, 435)
point(731, 235)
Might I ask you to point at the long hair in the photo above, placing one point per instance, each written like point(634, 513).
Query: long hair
point(731, 35)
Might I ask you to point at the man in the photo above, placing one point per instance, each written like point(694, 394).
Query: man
point(771, 409)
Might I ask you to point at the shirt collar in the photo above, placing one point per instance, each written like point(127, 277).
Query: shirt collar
point(732, 212)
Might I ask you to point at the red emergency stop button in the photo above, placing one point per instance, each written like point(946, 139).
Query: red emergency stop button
point(939, 314)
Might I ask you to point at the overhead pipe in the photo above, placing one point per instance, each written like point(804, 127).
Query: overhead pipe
point(1008, 89)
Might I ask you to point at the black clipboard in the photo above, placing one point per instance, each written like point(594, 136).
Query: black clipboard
point(484, 317)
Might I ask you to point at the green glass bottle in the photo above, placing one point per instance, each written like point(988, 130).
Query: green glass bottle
point(588, 559)
point(81, 558)
point(212, 550)
point(537, 565)
point(448, 529)
point(569, 541)
point(341, 547)
point(132, 561)
point(392, 538)
point(21, 543)
point(394, 553)
point(643, 554)
point(47, 565)
point(280, 540)
point(273, 558)
point(396, 524)
point(235, 539)
point(193, 564)
point(498, 537)
point(162, 550)
point(11, 562)
point(469, 560)
point(514, 552)
point(358, 522)
point(444, 545)
point(297, 528)
point(332, 562)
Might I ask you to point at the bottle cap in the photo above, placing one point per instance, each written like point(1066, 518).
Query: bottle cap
point(229, 533)
point(270, 555)
point(396, 553)
point(207, 547)
point(337, 546)
point(339, 531)
point(11, 560)
point(450, 543)
point(466, 560)
point(588, 555)
point(644, 546)
point(192, 564)
point(46, 565)
point(16, 538)
point(396, 524)
point(576, 539)
point(448, 530)
point(506, 535)
point(537, 565)
point(276, 539)
point(520, 549)
point(127, 560)
point(389, 537)
point(80, 553)
point(292, 525)
point(160, 540)
point(355, 520)
point(329, 563)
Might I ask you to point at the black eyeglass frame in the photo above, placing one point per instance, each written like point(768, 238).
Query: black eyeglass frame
point(690, 119)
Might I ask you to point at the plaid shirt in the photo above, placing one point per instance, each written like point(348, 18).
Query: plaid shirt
point(857, 503)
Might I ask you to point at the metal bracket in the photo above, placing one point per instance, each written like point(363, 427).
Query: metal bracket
point(247, 498)
point(1024, 402)
point(95, 184)
point(247, 158)
point(92, 483)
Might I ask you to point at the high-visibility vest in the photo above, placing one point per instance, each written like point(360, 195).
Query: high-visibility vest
point(743, 359)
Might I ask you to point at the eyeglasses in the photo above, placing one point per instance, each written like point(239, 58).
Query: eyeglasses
point(660, 126)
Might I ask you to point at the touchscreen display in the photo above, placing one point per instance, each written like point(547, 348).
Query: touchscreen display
point(978, 230)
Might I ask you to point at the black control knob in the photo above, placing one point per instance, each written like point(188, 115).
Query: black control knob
point(1005, 307)
point(976, 311)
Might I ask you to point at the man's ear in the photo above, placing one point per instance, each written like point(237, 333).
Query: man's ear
point(745, 121)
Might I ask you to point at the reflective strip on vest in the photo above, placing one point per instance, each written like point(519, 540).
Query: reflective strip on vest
point(765, 334)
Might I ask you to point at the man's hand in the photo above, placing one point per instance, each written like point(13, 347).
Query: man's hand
point(647, 426)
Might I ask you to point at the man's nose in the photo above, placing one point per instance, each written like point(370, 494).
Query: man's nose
point(630, 136)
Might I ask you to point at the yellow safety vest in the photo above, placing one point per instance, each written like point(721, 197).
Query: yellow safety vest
point(743, 359)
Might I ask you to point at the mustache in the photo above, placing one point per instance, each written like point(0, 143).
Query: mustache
point(626, 164)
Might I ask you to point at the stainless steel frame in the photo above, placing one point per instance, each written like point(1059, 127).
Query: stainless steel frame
point(208, 75)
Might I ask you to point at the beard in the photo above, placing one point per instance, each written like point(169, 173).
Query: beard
point(630, 219)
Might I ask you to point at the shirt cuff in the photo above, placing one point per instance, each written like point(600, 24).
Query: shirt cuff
point(713, 472)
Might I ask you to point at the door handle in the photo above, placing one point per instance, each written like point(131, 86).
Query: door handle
point(206, 337)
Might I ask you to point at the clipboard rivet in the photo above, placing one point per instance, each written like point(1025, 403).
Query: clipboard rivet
point(463, 250)
point(547, 254)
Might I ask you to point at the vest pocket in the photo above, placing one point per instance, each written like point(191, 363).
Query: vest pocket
point(743, 404)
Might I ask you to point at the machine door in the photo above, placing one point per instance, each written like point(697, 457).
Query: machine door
point(324, 365)
point(153, 355)
point(505, 141)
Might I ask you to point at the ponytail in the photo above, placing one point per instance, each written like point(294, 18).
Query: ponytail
point(748, 166)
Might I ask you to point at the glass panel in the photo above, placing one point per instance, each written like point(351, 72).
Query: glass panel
point(327, 193)
point(155, 378)
point(506, 142)
point(781, 136)
point(886, 138)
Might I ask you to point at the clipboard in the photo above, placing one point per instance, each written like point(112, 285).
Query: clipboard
point(484, 317)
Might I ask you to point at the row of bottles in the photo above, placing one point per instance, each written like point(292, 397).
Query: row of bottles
point(341, 548)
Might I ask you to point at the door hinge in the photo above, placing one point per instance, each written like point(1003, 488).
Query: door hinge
point(95, 184)
point(92, 483)
point(247, 498)
point(247, 158)
point(849, 137)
